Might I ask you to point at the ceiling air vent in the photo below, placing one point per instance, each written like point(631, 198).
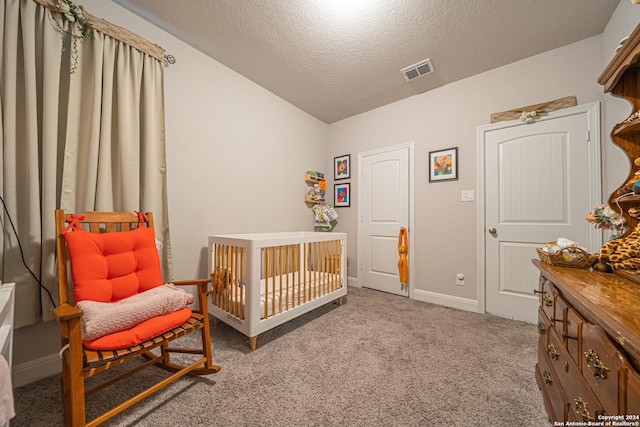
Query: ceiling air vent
point(416, 70)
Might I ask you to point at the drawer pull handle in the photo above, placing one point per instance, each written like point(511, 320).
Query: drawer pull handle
point(553, 353)
point(582, 410)
point(547, 378)
point(564, 335)
point(541, 328)
point(594, 362)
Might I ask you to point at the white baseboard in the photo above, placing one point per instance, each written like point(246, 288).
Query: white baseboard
point(36, 369)
point(446, 300)
point(353, 281)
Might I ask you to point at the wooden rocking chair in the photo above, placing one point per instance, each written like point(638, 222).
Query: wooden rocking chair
point(113, 257)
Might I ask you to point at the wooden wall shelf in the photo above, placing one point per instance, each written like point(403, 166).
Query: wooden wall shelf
point(621, 78)
point(627, 128)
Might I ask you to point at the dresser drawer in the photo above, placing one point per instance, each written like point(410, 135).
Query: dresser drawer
point(583, 404)
point(552, 394)
point(543, 325)
point(546, 297)
point(602, 365)
point(560, 313)
point(632, 398)
point(573, 335)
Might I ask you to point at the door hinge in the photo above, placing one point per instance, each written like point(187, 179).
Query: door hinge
point(588, 136)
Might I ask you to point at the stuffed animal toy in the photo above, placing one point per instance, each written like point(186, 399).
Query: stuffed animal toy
point(221, 278)
point(622, 253)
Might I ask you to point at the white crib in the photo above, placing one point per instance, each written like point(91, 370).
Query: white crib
point(263, 280)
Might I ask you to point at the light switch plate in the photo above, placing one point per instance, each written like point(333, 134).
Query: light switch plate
point(467, 196)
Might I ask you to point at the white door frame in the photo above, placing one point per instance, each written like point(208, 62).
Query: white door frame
point(595, 185)
point(410, 258)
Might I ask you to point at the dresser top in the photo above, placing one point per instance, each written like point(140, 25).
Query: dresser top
point(602, 298)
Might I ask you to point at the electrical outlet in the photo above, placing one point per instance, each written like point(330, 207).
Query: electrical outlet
point(460, 279)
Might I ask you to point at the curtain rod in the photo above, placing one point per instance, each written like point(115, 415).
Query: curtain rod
point(114, 31)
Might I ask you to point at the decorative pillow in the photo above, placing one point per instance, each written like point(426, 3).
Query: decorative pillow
point(108, 267)
point(103, 318)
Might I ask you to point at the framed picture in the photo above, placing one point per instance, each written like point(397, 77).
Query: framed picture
point(342, 167)
point(443, 165)
point(342, 195)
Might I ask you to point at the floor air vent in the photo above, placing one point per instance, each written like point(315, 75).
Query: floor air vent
point(416, 70)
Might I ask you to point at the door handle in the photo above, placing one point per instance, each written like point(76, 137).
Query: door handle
point(493, 231)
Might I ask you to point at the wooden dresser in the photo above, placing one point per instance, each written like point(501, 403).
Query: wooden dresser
point(589, 322)
point(589, 344)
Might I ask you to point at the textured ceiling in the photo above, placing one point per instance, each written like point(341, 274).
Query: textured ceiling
point(336, 63)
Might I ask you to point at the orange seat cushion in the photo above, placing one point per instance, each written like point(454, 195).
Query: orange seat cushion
point(108, 267)
point(141, 332)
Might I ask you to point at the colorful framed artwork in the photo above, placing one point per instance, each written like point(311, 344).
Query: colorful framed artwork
point(443, 165)
point(342, 195)
point(342, 167)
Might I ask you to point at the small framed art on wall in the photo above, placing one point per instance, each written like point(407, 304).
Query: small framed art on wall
point(342, 167)
point(443, 165)
point(342, 196)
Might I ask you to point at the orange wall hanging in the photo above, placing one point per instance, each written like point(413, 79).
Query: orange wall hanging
point(403, 248)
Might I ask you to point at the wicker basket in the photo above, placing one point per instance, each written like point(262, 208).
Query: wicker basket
point(579, 258)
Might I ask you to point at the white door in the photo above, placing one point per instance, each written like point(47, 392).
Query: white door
point(383, 208)
point(541, 179)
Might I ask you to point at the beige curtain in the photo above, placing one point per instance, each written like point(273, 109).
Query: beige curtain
point(88, 140)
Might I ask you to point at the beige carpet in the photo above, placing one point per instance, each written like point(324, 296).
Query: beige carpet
point(378, 360)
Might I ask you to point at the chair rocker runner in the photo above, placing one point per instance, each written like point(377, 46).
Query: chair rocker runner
point(116, 277)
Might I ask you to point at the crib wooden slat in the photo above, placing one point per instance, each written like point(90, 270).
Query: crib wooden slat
point(296, 264)
point(285, 262)
point(307, 254)
point(216, 264)
point(293, 276)
point(242, 284)
point(339, 283)
point(316, 265)
point(237, 289)
point(234, 285)
point(265, 266)
point(274, 273)
point(280, 278)
point(324, 270)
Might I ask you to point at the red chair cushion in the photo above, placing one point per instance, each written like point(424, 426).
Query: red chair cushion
point(108, 267)
point(141, 332)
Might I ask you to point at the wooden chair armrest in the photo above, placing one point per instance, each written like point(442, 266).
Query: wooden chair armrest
point(66, 312)
point(202, 292)
point(191, 282)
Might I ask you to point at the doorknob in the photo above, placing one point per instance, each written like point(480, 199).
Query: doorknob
point(493, 231)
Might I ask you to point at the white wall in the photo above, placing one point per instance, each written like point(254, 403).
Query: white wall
point(445, 228)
